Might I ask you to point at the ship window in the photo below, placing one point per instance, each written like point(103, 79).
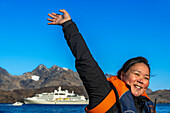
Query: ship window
point(61, 94)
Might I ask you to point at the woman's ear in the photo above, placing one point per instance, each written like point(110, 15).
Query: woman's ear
point(122, 75)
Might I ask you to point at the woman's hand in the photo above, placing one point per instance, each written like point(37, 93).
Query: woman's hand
point(58, 19)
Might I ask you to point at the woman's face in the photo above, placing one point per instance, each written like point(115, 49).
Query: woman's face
point(137, 77)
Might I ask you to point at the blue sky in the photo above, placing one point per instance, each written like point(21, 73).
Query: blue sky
point(114, 31)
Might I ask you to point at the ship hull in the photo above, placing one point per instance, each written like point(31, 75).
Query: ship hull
point(31, 101)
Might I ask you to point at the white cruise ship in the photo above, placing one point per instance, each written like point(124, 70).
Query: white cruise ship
point(59, 97)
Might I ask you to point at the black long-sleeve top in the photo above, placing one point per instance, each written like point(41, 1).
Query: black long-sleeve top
point(90, 73)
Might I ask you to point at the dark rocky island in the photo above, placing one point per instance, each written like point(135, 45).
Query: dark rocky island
point(43, 79)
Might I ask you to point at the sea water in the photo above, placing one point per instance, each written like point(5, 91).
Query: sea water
point(9, 108)
point(41, 108)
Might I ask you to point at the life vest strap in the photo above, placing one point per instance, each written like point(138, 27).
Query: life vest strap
point(117, 98)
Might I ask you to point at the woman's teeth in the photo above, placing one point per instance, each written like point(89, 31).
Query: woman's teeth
point(138, 87)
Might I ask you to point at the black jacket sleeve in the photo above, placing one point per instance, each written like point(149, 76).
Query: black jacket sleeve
point(90, 73)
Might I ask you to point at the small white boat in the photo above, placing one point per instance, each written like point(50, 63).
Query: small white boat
point(17, 104)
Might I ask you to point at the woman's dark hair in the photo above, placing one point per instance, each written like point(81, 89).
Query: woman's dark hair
point(126, 66)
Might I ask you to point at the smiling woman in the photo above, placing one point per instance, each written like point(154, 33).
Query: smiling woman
point(122, 93)
point(136, 73)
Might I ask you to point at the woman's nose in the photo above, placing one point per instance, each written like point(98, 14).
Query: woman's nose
point(140, 80)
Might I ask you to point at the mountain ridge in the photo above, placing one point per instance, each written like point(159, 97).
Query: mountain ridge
point(13, 88)
point(40, 77)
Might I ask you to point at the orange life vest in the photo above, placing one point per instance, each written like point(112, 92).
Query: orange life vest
point(125, 96)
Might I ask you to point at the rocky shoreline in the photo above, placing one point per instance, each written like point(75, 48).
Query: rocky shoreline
point(162, 96)
point(19, 94)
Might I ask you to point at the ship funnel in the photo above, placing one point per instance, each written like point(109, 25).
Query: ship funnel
point(59, 89)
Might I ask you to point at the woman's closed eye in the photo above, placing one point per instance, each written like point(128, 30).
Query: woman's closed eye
point(137, 74)
point(146, 78)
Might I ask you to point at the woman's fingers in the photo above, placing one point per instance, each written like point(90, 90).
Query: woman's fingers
point(58, 19)
point(49, 19)
point(53, 15)
point(52, 23)
point(63, 11)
